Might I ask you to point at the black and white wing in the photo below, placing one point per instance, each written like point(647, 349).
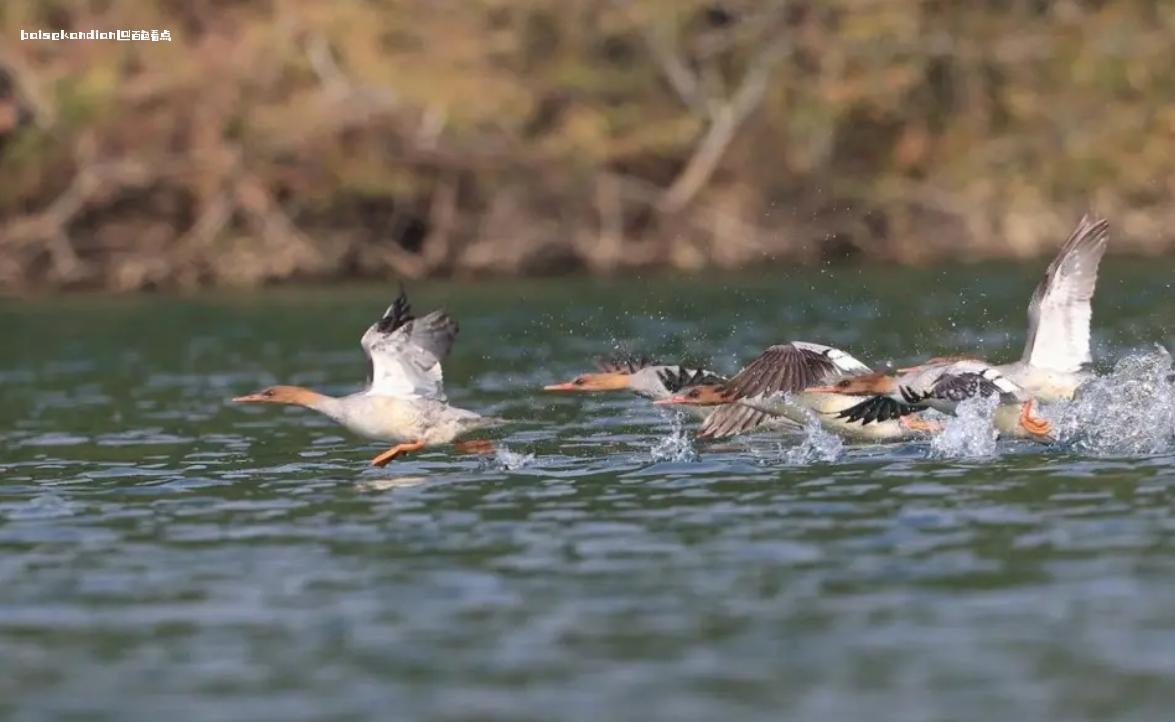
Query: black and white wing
point(405, 352)
point(942, 385)
point(1060, 310)
point(625, 363)
point(783, 369)
point(964, 380)
point(878, 408)
point(956, 382)
point(962, 386)
point(675, 378)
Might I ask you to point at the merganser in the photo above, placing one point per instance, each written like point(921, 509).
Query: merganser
point(777, 383)
point(1056, 358)
point(404, 401)
point(654, 381)
point(941, 385)
point(638, 374)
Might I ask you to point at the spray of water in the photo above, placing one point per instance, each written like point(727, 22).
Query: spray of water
point(509, 460)
point(969, 434)
point(1130, 411)
point(817, 445)
point(677, 444)
point(512, 460)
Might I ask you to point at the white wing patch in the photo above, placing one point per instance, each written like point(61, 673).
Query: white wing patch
point(406, 355)
point(1060, 310)
point(845, 363)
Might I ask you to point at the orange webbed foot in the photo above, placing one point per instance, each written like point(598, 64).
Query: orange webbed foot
point(395, 451)
point(1034, 424)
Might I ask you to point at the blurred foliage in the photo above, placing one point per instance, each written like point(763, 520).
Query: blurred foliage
point(300, 139)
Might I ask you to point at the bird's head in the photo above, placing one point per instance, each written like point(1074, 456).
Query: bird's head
point(278, 395)
point(604, 381)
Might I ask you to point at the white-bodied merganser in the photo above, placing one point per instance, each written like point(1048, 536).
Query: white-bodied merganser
point(1056, 358)
point(777, 383)
point(654, 381)
point(637, 374)
point(942, 385)
point(405, 399)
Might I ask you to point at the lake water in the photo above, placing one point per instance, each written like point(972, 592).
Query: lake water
point(163, 552)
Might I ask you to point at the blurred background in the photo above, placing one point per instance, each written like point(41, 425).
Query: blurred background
point(275, 141)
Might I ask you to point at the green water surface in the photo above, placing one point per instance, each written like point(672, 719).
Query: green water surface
point(163, 552)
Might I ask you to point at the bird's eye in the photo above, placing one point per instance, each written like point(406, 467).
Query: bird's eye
point(579, 381)
point(694, 394)
point(267, 392)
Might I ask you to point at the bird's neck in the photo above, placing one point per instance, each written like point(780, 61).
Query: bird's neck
point(323, 404)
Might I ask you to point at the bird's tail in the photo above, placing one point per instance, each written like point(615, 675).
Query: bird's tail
point(482, 422)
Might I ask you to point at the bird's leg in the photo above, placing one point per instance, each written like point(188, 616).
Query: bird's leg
point(1033, 424)
point(395, 451)
point(475, 446)
point(919, 424)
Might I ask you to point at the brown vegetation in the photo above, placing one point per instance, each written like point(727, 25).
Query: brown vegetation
point(305, 139)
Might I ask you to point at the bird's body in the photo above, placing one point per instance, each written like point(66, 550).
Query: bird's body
point(388, 418)
point(404, 401)
point(774, 383)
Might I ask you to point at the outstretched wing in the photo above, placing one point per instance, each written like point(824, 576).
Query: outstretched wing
point(730, 420)
point(1060, 310)
point(878, 408)
point(783, 369)
point(790, 368)
point(405, 352)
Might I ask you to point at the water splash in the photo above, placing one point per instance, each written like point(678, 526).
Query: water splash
point(1129, 411)
point(970, 433)
point(817, 445)
point(509, 460)
point(678, 444)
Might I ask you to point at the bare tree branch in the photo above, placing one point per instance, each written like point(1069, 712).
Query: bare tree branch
point(679, 76)
point(725, 124)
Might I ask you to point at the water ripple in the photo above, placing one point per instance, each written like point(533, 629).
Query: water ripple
point(160, 544)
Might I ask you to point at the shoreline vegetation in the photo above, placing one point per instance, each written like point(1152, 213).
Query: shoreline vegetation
point(275, 141)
